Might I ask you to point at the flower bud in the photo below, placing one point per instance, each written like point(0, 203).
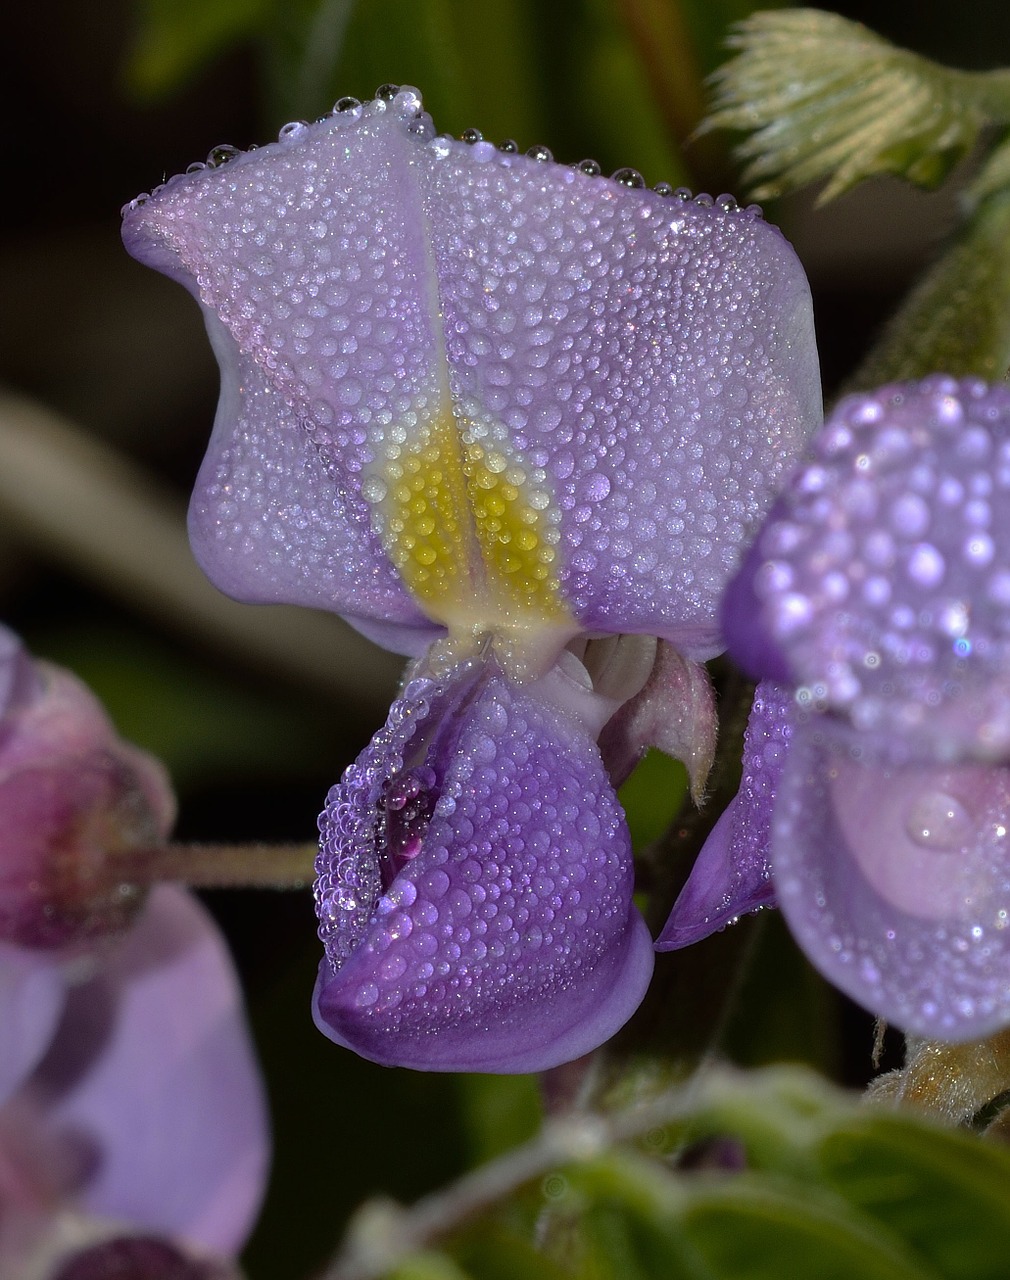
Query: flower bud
point(74, 800)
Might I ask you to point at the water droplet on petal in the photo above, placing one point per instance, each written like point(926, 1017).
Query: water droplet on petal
point(938, 821)
point(628, 178)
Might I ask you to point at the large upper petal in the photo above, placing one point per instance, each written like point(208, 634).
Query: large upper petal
point(556, 395)
point(152, 1078)
point(509, 941)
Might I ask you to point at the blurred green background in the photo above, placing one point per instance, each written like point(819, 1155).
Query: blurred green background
point(104, 101)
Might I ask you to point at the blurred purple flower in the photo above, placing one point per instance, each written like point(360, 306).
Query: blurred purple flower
point(129, 1097)
point(490, 409)
point(878, 590)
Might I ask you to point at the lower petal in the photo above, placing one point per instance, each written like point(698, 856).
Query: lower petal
point(732, 874)
point(509, 941)
point(895, 879)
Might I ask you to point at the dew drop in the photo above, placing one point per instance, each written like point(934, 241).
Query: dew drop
point(472, 136)
point(221, 155)
point(541, 153)
point(373, 488)
point(590, 168)
point(939, 822)
point(387, 92)
point(628, 178)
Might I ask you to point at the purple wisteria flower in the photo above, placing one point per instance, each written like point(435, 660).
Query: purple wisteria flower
point(877, 596)
point(517, 421)
point(132, 1120)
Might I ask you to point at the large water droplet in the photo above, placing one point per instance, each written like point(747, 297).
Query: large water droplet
point(938, 821)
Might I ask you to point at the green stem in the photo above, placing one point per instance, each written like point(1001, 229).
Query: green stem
point(956, 320)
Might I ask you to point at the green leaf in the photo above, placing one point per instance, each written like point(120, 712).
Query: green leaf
point(428, 1266)
point(826, 98)
point(492, 1253)
point(946, 1192)
point(746, 1230)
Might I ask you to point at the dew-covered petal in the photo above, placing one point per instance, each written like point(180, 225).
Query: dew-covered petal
point(31, 1000)
point(653, 359)
point(152, 1077)
point(270, 521)
point(895, 879)
point(506, 940)
point(880, 584)
point(732, 874)
point(555, 394)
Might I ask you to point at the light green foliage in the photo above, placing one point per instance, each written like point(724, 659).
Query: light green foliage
point(824, 98)
point(833, 1190)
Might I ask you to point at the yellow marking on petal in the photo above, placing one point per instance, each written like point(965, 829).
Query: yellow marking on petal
point(471, 535)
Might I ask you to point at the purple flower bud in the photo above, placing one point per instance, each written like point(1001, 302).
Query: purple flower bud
point(881, 584)
point(73, 796)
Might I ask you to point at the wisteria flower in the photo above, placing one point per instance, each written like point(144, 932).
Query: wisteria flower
point(878, 594)
point(492, 410)
point(131, 1111)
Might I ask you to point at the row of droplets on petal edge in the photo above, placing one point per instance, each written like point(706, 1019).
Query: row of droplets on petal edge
point(408, 100)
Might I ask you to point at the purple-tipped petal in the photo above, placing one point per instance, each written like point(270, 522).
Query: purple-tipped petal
point(732, 875)
point(153, 1079)
point(498, 932)
point(31, 1000)
point(532, 391)
point(881, 582)
point(895, 879)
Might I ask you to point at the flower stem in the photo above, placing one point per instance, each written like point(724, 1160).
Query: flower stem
point(223, 866)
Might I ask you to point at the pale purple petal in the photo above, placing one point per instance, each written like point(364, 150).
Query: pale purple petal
point(655, 357)
point(895, 879)
point(499, 935)
point(152, 1075)
point(31, 1000)
point(732, 875)
point(881, 582)
point(271, 521)
point(639, 370)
